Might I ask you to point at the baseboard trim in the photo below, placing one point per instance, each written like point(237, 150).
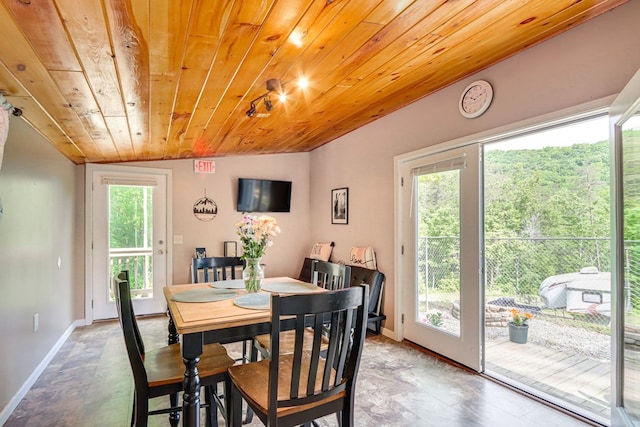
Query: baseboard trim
point(13, 403)
point(389, 334)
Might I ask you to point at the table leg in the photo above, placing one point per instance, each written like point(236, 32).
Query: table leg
point(173, 338)
point(191, 351)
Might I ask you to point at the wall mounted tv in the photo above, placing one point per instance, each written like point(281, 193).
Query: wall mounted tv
point(263, 195)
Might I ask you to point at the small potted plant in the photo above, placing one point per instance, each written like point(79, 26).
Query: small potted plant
point(519, 326)
point(436, 319)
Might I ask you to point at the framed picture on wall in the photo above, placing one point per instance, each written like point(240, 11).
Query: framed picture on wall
point(230, 248)
point(340, 206)
point(201, 253)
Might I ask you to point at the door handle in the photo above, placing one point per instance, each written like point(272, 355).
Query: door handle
point(160, 251)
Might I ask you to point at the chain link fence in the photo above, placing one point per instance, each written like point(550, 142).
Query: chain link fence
point(515, 269)
point(632, 293)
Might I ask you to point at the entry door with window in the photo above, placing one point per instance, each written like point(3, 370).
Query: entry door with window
point(441, 260)
point(129, 231)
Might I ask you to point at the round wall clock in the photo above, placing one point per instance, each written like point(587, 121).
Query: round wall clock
point(475, 99)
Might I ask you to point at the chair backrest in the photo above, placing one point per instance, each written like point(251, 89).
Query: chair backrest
point(375, 280)
point(132, 336)
point(223, 268)
point(319, 374)
point(329, 275)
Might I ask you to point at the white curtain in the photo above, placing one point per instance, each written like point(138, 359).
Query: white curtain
point(4, 130)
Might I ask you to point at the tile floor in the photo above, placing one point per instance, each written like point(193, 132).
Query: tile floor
point(89, 383)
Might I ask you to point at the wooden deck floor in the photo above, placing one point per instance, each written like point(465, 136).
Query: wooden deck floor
point(575, 378)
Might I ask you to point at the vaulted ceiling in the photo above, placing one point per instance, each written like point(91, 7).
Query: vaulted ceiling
point(123, 80)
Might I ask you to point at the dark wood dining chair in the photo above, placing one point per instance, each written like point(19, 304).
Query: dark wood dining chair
point(223, 268)
point(330, 275)
point(325, 274)
point(160, 372)
point(296, 388)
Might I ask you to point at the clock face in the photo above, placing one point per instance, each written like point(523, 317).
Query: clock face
point(475, 99)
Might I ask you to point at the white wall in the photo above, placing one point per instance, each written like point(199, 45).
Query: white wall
point(290, 247)
point(39, 192)
point(588, 62)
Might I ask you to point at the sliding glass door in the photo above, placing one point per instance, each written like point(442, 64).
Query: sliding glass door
point(548, 259)
point(625, 130)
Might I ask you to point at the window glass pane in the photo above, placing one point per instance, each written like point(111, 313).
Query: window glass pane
point(631, 214)
point(438, 251)
point(130, 236)
point(547, 256)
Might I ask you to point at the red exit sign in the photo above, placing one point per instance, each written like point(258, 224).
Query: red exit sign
point(204, 166)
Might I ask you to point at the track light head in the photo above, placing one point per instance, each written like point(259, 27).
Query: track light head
point(267, 103)
point(252, 110)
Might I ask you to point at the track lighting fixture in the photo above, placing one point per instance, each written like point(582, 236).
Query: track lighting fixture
point(272, 85)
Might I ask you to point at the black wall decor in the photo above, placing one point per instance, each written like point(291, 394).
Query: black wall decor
point(205, 209)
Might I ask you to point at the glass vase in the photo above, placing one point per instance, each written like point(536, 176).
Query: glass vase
point(253, 275)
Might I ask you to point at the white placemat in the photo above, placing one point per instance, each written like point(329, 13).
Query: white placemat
point(228, 284)
point(203, 295)
point(290, 287)
point(254, 301)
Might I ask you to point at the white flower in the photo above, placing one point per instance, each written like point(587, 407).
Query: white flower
point(256, 234)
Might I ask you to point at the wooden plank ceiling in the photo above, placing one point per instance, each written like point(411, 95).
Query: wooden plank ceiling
point(123, 80)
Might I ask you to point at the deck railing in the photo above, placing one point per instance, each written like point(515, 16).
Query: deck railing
point(139, 263)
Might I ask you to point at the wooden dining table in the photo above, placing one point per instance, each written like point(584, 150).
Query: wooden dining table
point(222, 321)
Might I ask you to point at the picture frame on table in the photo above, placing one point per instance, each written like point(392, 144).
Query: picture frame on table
point(340, 205)
point(201, 253)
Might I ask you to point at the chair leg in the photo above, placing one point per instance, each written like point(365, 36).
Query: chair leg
point(227, 401)
point(141, 412)
point(174, 417)
point(234, 400)
point(133, 411)
point(212, 408)
point(253, 358)
point(346, 415)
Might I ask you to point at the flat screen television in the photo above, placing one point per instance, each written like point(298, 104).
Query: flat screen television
point(263, 195)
